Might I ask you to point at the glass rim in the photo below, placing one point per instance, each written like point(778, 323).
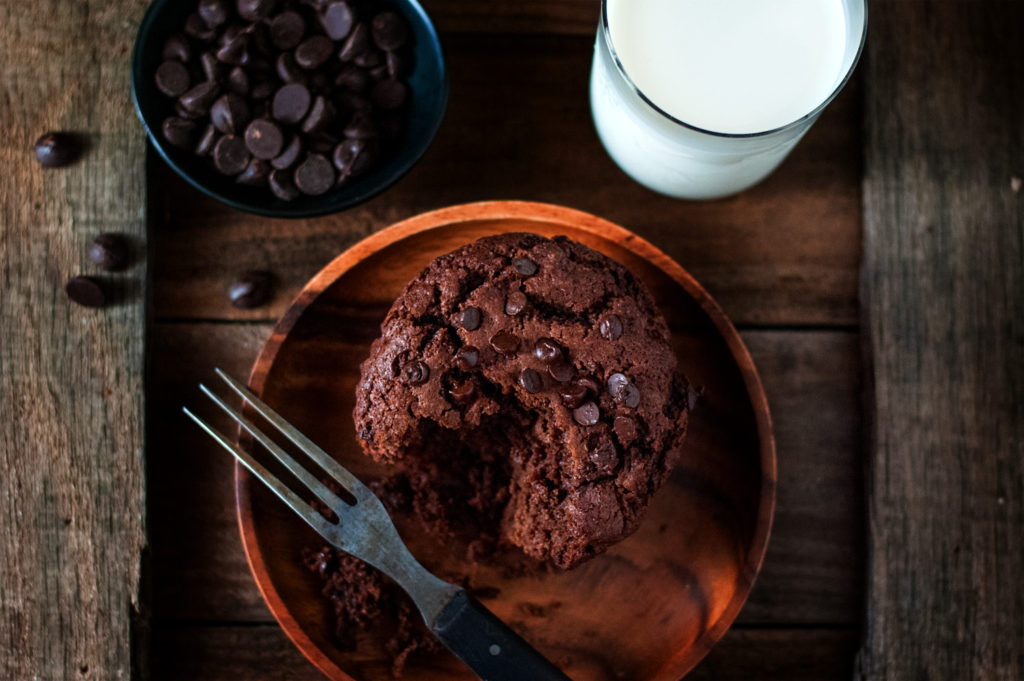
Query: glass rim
point(734, 135)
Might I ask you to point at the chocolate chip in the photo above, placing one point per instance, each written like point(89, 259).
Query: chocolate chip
point(360, 126)
point(611, 327)
point(229, 113)
point(287, 70)
point(172, 78)
point(254, 10)
point(623, 391)
point(562, 373)
point(213, 12)
point(56, 149)
point(617, 383)
point(505, 343)
point(603, 455)
point(525, 266)
point(389, 31)
point(230, 155)
point(321, 115)
point(262, 89)
point(288, 157)
point(591, 384)
point(255, 174)
point(337, 20)
point(354, 157)
point(238, 81)
point(471, 318)
point(415, 373)
point(314, 176)
point(263, 139)
point(378, 72)
point(353, 78)
point(314, 51)
point(200, 98)
point(179, 131)
point(463, 392)
point(291, 102)
point(199, 29)
point(206, 141)
point(396, 64)
point(530, 381)
point(625, 429)
point(357, 43)
point(322, 143)
point(573, 395)
point(177, 47)
point(388, 94)
point(282, 185)
point(213, 68)
point(85, 291)
point(693, 396)
point(235, 51)
point(110, 251)
point(287, 30)
point(369, 59)
point(260, 46)
point(250, 289)
point(515, 303)
point(548, 351)
point(586, 414)
point(467, 357)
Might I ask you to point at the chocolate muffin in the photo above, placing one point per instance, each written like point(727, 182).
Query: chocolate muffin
point(536, 366)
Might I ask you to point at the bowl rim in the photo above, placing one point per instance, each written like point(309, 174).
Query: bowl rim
point(398, 172)
point(540, 212)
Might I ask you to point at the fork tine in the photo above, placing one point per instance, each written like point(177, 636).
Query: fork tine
point(310, 481)
point(350, 482)
point(305, 511)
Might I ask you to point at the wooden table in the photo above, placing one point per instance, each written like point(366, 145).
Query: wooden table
point(877, 278)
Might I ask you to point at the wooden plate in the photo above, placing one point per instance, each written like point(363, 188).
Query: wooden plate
point(648, 609)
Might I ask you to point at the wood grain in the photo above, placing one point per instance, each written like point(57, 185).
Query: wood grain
point(943, 283)
point(518, 126)
point(577, 17)
point(242, 653)
point(811, 574)
point(71, 393)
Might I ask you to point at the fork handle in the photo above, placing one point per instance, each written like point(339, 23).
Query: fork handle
point(488, 645)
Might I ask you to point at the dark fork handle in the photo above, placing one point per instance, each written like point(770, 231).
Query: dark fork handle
point(488, 646)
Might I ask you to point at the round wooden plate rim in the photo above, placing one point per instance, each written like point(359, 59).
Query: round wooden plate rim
point(525, 211)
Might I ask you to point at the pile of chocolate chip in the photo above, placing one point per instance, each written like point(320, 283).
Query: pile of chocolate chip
point(300, 95)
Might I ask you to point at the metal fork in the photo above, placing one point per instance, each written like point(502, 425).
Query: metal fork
point(460, 622)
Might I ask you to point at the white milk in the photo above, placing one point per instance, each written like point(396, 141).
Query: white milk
point(726, 67)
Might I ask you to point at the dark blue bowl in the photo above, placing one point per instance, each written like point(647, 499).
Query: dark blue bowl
point(428, 83)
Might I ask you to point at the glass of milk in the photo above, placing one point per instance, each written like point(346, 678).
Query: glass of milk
point(700, 99)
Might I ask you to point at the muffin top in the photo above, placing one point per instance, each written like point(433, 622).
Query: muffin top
point(550, 364)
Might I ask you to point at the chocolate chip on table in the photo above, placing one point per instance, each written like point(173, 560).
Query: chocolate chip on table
point(56, 149)
point(467, 357)
point(548, 351)
point(290, 154)
point(463, 392)
point(390, 31)
point(357, 43)
point(85, 291)
point(250, 289)
point(200, 98)
point(179, 131)
point(110, 251)
point(562, 373)
point(573, 395)
point(610, 327)
point(255, 174)
point(176, 47)
point(515, 303)
point(530, 381)
point(255, 10)
point(313, 51)
point(587, 414)
point(282, 185)
point(213, 12)
point(229, 113)
point(321, 114)
point(230, 155)
point(505, 343)
point(337, 19)
point(315, 175)
point(525, 266)
point(172, 78)
point(388, 94)
point(625, 429)
point(264, 139)
point(415, 372)
point(354, 157)
point(287, 30)
point(291, 102)
point(206, 141)
point(471, 318)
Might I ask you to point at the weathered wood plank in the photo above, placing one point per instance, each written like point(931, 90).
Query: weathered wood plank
point(232, 653)
point(944, 300)
point(812, 573)
point(71, 393)
point(518, 126)
point(577, 17)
